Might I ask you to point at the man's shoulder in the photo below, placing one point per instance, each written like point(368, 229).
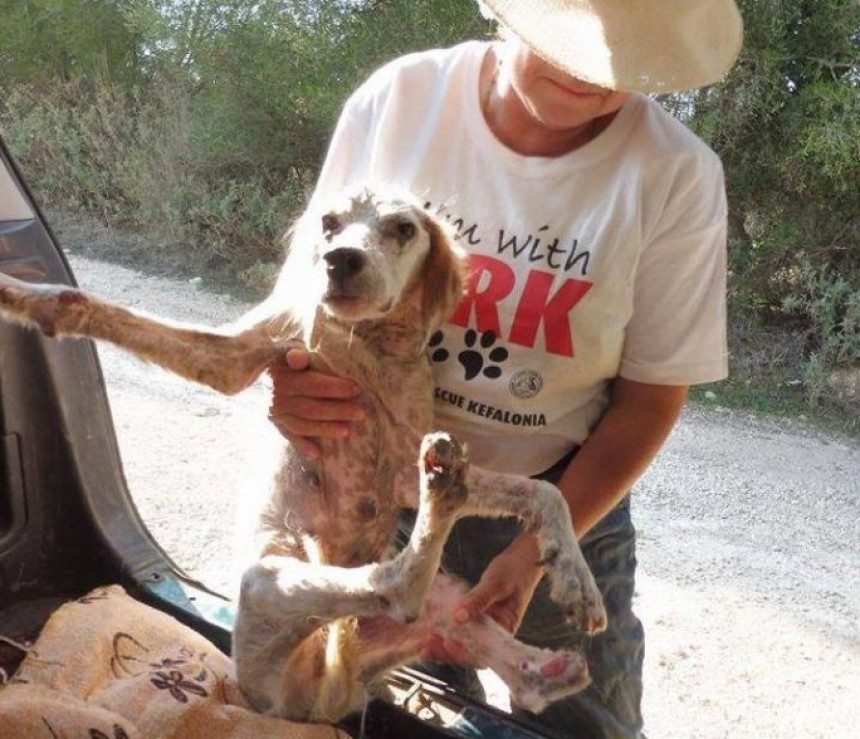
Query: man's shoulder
point(667, 135)
point(422, 67)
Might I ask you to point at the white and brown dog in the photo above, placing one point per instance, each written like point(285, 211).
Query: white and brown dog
point(322, 612)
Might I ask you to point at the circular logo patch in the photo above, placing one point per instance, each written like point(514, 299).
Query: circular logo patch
point(526, 384)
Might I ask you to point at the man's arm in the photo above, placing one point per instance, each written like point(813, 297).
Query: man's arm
point(635, 425)
point(637, 422)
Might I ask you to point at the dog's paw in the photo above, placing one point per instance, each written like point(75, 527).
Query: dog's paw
point(576, 593)
point(48, 307)
point(539, 682)
point(572, 585)
point(444, 467)
point(13, 298)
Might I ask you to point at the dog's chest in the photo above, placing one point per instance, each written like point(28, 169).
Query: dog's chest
point(348, 500)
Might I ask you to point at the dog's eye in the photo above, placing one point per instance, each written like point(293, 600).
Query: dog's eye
point(405, 231)
point(330, 225)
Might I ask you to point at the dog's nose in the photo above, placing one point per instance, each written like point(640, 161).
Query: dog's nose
point(344, 262)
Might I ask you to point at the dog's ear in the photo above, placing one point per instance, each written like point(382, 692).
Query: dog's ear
point(443, 275)
point(298, 288)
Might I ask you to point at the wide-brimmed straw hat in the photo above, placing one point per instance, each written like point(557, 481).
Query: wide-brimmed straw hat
point(632, 45)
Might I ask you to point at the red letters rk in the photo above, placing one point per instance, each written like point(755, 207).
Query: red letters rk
point(491, 281)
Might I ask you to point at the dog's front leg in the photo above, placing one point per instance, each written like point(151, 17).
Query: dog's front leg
point(227, 361)
point(543, 510)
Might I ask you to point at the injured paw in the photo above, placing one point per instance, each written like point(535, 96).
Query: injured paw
point(53, 308)
point(405, 580)
point(444, 470)
point(554, 675)
point(575, 592)
point(534, 676)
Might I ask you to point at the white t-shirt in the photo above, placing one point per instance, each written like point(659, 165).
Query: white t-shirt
point(606, 261)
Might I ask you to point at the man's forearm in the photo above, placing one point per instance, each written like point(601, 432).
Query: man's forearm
point(635, 425)
point(637, 422)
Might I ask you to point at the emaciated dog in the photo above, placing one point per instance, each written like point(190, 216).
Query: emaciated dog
point(324, 608)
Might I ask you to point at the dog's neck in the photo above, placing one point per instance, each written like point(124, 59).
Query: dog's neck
point(400, 335)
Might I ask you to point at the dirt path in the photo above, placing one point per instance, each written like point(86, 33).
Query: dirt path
point(748, 583)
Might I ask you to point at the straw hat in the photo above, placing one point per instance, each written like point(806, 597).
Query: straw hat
point(632, 45)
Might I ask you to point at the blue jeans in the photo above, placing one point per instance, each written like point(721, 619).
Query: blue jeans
point(611, 705)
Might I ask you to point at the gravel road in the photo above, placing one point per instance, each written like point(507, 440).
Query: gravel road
point(748, 527)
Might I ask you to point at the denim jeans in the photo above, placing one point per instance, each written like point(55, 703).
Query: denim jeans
point(611, 705)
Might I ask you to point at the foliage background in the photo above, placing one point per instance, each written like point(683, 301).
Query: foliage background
point(202, 123)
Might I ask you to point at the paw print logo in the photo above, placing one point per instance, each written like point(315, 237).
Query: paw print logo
point(480, 357)
point(437, 353)
point(475, 361)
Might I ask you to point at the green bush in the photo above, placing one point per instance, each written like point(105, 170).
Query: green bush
point(71, 143)
point(786, 123)
point(212, 148)
point(831, 305)
point(132, 160)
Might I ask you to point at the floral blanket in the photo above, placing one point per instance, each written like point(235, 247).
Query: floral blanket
point(109, 667)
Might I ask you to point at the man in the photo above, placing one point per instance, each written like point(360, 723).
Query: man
point(596, 226)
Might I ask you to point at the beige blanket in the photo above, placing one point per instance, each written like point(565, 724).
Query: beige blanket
point(107, 666)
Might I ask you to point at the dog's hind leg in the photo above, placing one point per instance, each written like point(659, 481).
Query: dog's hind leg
point(227, 360)
point(543, 511)
point(534, 676)
point(283, 601)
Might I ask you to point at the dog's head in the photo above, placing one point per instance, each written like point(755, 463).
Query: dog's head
point(371, 253)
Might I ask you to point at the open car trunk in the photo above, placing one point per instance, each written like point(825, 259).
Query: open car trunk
point(67, 521)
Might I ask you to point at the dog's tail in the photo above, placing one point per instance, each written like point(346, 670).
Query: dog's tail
point(338, 690)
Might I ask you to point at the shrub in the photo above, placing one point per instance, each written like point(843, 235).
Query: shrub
point(831, 306)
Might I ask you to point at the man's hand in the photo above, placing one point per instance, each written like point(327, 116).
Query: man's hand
point(503, 594)
point(307, 404)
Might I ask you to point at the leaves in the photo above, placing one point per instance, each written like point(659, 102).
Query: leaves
point(786, 123)
point(203, 122)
